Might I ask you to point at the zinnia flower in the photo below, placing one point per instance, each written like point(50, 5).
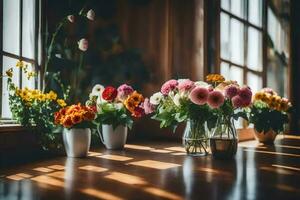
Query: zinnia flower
point(148, 107)
point(109, 93)
point(90, 15)
point(215, 99)
point(185, 85)
point(138, 112)
point(168, 86)
point(237, 101)
point(71, 18)
point(246, 95)
point(199, 95)
point(124, 91)
point(156, 98)
point(83, 44)
point(231, 91)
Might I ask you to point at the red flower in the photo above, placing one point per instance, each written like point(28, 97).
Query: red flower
point(109, 93)
point(138, 112)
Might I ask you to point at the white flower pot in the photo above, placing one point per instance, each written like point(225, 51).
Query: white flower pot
point(77, 141)
point(113, 138)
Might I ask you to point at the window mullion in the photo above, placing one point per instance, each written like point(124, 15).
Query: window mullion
point(20, 40)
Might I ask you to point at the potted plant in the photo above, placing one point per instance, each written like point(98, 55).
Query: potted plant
point(77, 121)
point(35, 109)
point(116, 109)
point(229, 100)
point(269, 114)
point(186, 101)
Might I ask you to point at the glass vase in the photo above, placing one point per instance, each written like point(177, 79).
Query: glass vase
point(195, 138)
point(224, 141)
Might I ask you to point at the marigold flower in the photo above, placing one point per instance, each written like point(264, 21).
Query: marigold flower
point(136, 98)
point(61, 102)
point(216, 78)
point(67, 122)
point(76, 118)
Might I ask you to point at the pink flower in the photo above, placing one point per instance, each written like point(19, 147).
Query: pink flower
point(168, 86)
point(246, 95)
point(148, 107)
point(199, 95)
point(237, 101)
point(124, 90)
point(90, 15)
point(83, 44)
point(269, 90)
point(71, 18)
point(185, 85)
point(231, 91)
point(215, 99)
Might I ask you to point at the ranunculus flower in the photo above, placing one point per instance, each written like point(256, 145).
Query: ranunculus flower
point(156, 98)
point(237, 101)
point(199, 95)
point(124, 91)
point(215, 99)
point(138, 112)
point(168, 86)
point(246, 95)
point(83, 44)
point(90, 15)
point(231, 91)
point(148, 107)
point(109, 93)
point(185, 85)
point(71, 18)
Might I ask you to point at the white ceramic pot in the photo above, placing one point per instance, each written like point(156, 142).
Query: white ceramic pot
point(265, 137)
point(113, 138)
point(77, 141)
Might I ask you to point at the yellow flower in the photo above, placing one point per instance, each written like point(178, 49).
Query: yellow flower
point(136, 98)
point(9, 72)
point(20, 64)
point(258, 96)
point(129, 104)
point(216, 78)
point(42, 97)
point(51, 95)
point(61, 102)
point(30, 74)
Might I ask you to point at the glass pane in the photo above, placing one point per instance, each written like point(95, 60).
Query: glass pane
point(236, 74)
point(11, 26)
point(225, 4)
point(254, 82)
point(28, 32)
point(237, 42)
point(225, 70)
point(255, 12)
point(8, 63)
point(254, 49)
point(28, 82)
point(225, 36)
point(237, 7)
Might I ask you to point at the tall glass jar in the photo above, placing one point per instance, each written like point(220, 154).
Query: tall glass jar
point(195, 138)
point(224, 141)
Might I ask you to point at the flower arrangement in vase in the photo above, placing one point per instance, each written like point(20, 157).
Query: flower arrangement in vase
point(187, 101)
point(233, 103)
point(269, 114)
point(116, 108)
point(77, 121)
point(35, 109)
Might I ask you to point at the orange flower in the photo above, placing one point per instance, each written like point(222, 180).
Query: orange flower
point(57, 118)
point(130, 104)
point(76, 118)
point(89, 115)
point(68, 122)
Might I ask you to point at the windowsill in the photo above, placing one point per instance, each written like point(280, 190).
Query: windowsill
point(13, 127)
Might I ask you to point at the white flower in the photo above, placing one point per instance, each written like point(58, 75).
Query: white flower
point(90, 15)
point(176, 99)
point(156, 98)
point(71, 18)
point(97, 90)
point(119, 106)
point(83, 44)
point(201, 83)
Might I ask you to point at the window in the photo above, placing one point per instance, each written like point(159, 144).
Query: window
point(20, 20)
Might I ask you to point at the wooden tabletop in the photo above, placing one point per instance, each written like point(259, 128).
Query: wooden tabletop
point(161, 170)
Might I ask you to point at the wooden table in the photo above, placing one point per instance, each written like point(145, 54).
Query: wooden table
point(161, 170)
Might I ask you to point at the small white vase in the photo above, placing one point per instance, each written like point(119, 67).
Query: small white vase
point(113, 138)
point(77, 141)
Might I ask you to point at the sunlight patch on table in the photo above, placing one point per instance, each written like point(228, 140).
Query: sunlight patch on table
point(162, 193)
point(154, 164)
point(100, 194)
point(93, 168)
point(126, 178)
point(115, 157)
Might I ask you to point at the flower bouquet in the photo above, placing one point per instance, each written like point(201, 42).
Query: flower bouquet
point(35, 110)
point(186, 101)
point(116, 108)
point(269, 114)
point(77, 121)
point(231, 102)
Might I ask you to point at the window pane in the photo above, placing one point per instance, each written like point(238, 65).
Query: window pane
point(225, 36)
point(11, 26)
point(237, 7)
point(225, 4)
point(225, 70)
point(254, 81)
point(236, 74)
point(255, 12)
point(8, 63)
point(28, 30)
point(254, 49)
point(30, 83)
point(237, 42)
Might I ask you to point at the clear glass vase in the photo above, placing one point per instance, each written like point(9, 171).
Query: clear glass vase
point(196, 138)
point(223, 141)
